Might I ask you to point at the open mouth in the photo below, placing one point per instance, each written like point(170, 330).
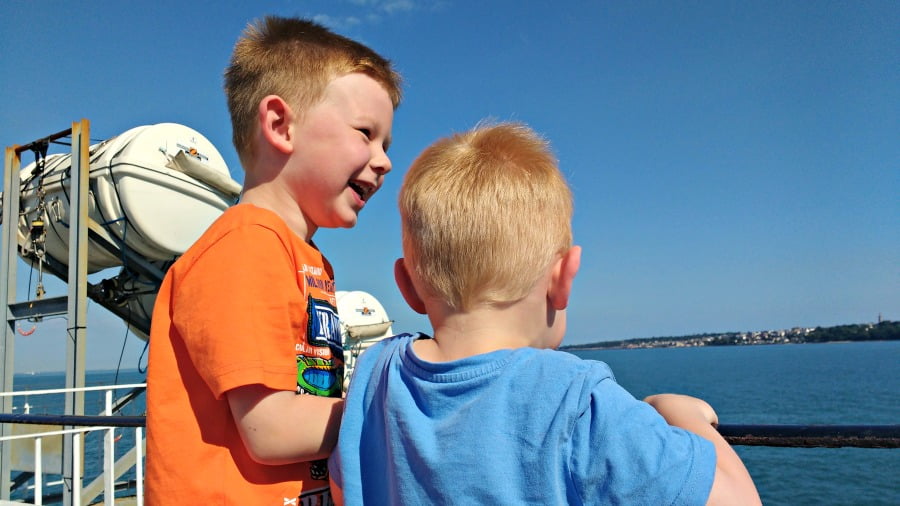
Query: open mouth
point(362, 189)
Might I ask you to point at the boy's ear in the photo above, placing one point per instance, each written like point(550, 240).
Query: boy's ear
point(407, 289)
point(276, 123)
point(563, 274)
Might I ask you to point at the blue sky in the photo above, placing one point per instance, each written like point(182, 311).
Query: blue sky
point(735, 164)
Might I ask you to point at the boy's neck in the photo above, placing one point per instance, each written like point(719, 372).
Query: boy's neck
point(458, 335)
point(266, 197)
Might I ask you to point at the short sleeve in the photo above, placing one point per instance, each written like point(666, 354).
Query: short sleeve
point(624, 452)
point(238, 310)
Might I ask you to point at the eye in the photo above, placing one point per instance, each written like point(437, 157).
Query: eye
point(366, 132)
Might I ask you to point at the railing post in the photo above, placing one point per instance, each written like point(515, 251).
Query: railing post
point(8, 259)
point(75, 497)
point(139, 464)
point(38, 473)
point(109, 454)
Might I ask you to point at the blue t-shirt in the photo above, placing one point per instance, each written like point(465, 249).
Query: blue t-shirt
point(520, 426)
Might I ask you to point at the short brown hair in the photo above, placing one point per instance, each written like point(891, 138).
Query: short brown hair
point(484, 213)
point(294, 59)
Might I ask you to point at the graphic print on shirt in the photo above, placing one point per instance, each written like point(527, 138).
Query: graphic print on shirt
point(317, 497)
point(320, 364)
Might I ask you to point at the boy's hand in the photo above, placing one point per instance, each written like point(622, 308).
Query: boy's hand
point(672, 403)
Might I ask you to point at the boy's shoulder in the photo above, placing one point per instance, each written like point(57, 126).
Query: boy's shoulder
point(576, 365)
point(242, 215)
point(576, 375)
point(392, 345)
point(379, 355)
point(243, 226)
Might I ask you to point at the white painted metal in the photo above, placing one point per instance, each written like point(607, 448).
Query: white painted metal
point(364, 322)
point(38, 473)
point(75, 499)
point(8, 270)
point(76, 316)
point(139, 464)
point(109, 457)
point(155, 188)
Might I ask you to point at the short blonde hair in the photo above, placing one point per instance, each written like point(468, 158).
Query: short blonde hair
point(294, 59)
point(484, 213)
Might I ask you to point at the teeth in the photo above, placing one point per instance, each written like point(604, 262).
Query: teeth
point(363, 191)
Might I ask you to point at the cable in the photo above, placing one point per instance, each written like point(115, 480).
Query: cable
point(141, 358)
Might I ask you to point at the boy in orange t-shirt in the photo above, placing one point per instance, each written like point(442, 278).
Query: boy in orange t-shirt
point(245, 320)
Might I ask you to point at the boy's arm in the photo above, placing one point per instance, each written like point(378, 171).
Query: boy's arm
point(281, 427)
point(732, 483)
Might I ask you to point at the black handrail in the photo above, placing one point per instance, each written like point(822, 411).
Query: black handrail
point(813, 436)
point(788, 436)
point(76, 420)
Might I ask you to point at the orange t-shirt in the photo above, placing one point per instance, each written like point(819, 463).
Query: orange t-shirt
point(250, 302)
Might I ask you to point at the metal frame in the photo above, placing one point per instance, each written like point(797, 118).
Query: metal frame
point(8, 259)
point(76, 344)
point(76, 300)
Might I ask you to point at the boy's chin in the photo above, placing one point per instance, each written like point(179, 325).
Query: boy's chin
point(339, 218)
point(344, 222)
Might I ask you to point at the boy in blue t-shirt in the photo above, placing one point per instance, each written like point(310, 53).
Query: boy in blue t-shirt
point(487, 411)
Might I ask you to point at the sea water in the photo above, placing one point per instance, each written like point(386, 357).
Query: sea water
point(836, 383)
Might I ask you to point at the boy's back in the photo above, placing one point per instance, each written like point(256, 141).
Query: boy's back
point(520, 426)
point(486, 411)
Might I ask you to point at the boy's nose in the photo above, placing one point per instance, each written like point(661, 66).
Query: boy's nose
point(380, 163)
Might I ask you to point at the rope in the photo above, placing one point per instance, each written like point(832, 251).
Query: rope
point(26, 333)
point(38, 230)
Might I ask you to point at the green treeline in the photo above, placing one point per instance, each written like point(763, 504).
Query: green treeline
point(882, 331)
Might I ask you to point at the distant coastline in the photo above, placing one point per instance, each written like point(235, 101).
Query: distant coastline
point(881, 331)
point(89, 371)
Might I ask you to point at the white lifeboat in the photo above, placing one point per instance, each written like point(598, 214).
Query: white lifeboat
point(364, 322)
point(153, 189)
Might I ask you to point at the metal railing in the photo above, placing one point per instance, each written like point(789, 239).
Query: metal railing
point(813, 436)
point(80, 426)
